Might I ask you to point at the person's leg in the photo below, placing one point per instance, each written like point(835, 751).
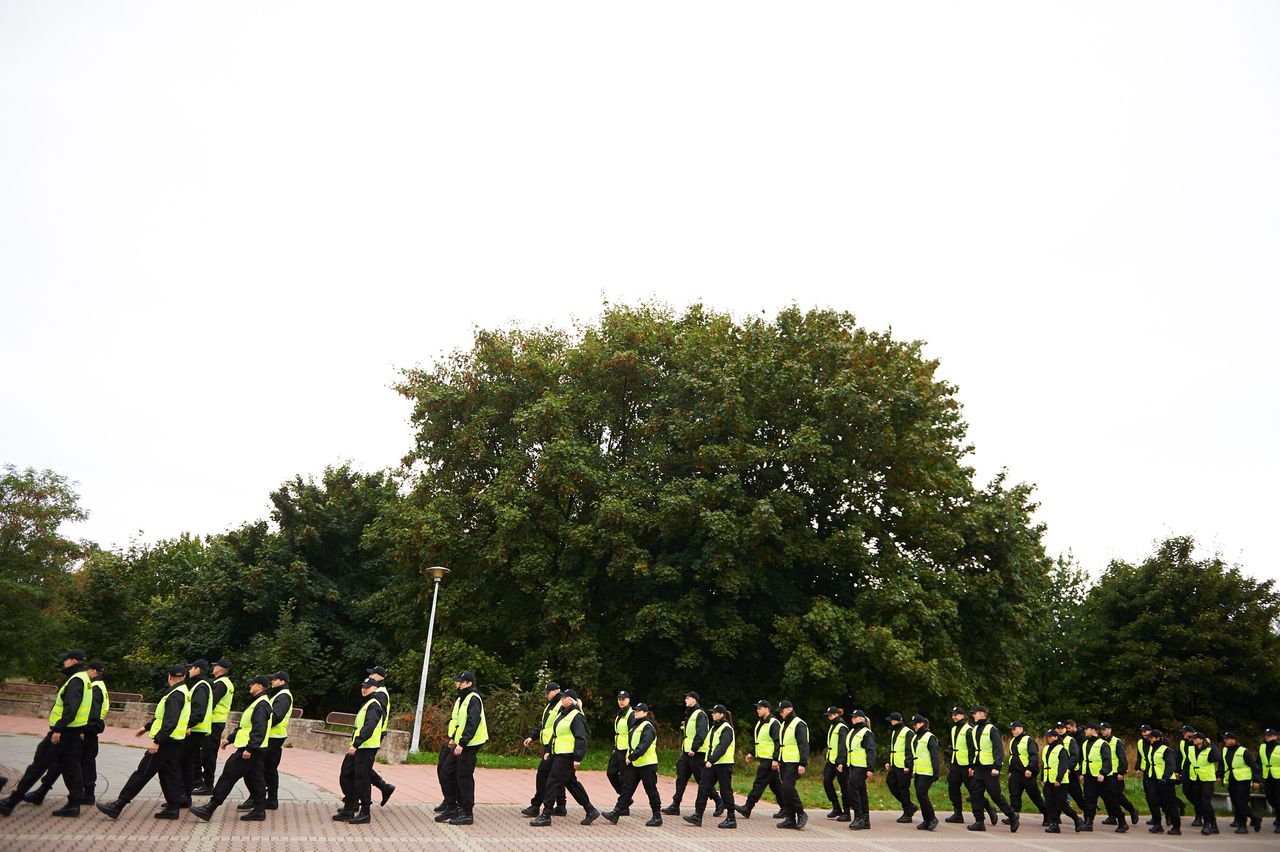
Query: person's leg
point(148, 766)
point(70, 751)
point(649, 777)
point(557, 780)
point(449, 780)
point(1168, 796)
point(830, 778)
point(860, 793)
point(957, 778)
point(787, 777)
point(89, 766)
point(1271, 786)
point(724, 773)
point(209, 754)
point(704, 792)
point(233, 770)
point(361, 782)
point(758, 785)
point(922, 784)
point(995, 795)
point(467, 778)
point(627, 789)
point(1033, 793)
point(169, 769)
point(46, 756)
point(271, 771)
point(579, 793)
point(684, 770)
point(613, 772)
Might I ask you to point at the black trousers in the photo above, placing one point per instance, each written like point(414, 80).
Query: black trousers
point(540, 784)
point(209, 753)
point(855, 792)
point(192, 752)
point(899, 784)
point(766, 778)
point(1019, 783)
point(1152, 794)
point(165, 763)
point(1056, 797)
point(957, 783)
point(1202, 791)
point(789, 798)
point(70, 751)
point(923, 783)
point(459, 778)
point(984, 785)
point(1239, 793)
point(1074, 790)
point(832, 783)
point(44, 760)
point(376, 780)
point(1271, 787)
point(88, 766)
point(355, 781)
point(686, 767)
point(720, 775)
point(1116, 785)
point(237, 767)
point(564, 776)
point(1167, 796)
point(633, 777)
point(442, 760)
point(617, 763)
point(1104, 789)
point(271, 767)
point(1189, 789)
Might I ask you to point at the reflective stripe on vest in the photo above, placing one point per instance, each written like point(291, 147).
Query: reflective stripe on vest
point(105, 705)
point(1270, 759)
point(986, 749)
point(691, 730)
point(727, 757)
point(205, 725)
point(375, 739)
point(921, 756)
point(790, 748)
point(650, 756)
point(223, 707)
point(1237, 770)
point(280, 729)
point(621, 727)
point(853, 745)
point(246, 723)
point(764, 744)
point(563, 740)
point(458, 721)
point(1052, 757)
point(960, 744)
point(179, 730)
point(82, 712)
point(834, 734)
point(898, 747)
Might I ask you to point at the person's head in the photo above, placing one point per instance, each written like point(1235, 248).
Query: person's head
point(1198, 738)
point(1016, 728)
point(1060, 727)
point(259, 685)
point(279, 680)
point(1230, 740)
point(691, 699)
point(641, 711)
point(624, 700)
point(464, 681)
point(1144, 731)
point(96, 669)
point(222, 668)
point(718, 713)
point(834, 713)
point(74, 657)
point(1156, 736)
point(198, 668)
point(176, 673)
point(857, 717)
point(894, 719)
point(377, 673)
point(1090, 729)
point(957, 714)
point(1104, 730)
point(1071, 726)
point(568, 699)
point(1052, 736)
point(551, 691)
point(1270, 735)
point(763, 709)
point(785, 709)
point(1187, 732)
point(919, 723)
point(980, 713)
point(367, 686)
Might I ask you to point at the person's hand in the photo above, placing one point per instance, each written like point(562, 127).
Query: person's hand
point(995, 772)
point(970, 773)
point(886, 767)
point(153, 749)
point(1027, 773)
point(56, 738)
point(689, 753)
point(775, 766)
point(457, 750)
point(244, 755)
point(351, 752)
point(1121, 777)
point(1057, 783)
point(1099, 777)
point(527, 741)
point(708, 764)
point(839, 767)
point(628, 761)
point(800, 770)
point(577, 763)
point(747, 758)
point(140, 732)
point(224, 744)
point(545, 755)
point(449, 744)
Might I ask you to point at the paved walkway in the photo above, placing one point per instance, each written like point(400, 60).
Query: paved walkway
point(309, 780)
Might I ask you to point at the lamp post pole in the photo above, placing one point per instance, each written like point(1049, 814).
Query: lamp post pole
point(437, 573)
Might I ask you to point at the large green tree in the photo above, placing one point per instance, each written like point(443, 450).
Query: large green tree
point(665, 501)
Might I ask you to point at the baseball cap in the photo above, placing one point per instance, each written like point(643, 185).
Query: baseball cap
point(958, 710)
point(467, 676)
point(624, 694)
point(551, 687)
point(177, 670)
point(73, 654)
point(642, 707)
point(895, 716)
point(719, 708)
point(764, 704)
point(281, 675)
point(917, 719)
point(693, 695)
point(368, 682)
point(377, 670)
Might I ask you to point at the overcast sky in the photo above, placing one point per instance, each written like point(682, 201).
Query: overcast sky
point(225, 226)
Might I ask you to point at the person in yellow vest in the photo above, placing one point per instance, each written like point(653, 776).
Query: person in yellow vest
point(793, 757)
point(1269, 758)
point(860, 761)
point(641, 767)
point(1099, 770)
point(167, 731)
point(542, 733)
point(1115, 782)
point(621, 742)
point(470, 732)
point(63, 745)
point(1189, 786)
point(568, 747)
point(1164, 767)
point(766, 740)
point(281, 713)
point(354, 779)
point(250, 741)
point(986, 757)
point(693, 753)
point(958, 758)
point(98, 706)
point(898, 769)
point(200, 726)
point(378, 673)
point(1058, 761)
point(224, 692)
point(1203, 757)
point(717, 770)
point(1070, 738)
point(833, 769)
point(1024, 769)
point(1241, 771)
point(926, 766)
point(1143, 767)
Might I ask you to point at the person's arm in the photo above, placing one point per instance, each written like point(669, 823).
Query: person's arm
point(802, 742)
point(1215, 760)
point(997, 748)
point(1065, 764)
point(1106, 758)
point(96, 722)
point(775, 734)
point(700, 730)
point(842, 744)
point(647, 736)
point(909, 749)
point(579, 728)
point(72, 697)
point(1033, 757)
point(372, 719)
point(948, 749)
point(199, 701)
point(869, 743)
point(259, 724)
point(1122, 758)
point(718, 749)
point(935, 754)
point(536, 731)
point(169, 718)
point(472, 724)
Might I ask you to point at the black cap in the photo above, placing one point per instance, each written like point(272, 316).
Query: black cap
point(957, 710)
point(784, 704)
point(1104, 726)
point(201, 664)
point(98, 666)
point(224, 663)
point(1187, 729)
point(719, 708)
point(551, 687)
point(368, 682)
point(376, 670)
point(1198, 735)
point(917, 719)
point(1144, 727)
point(856, 714)
point(834, 710)
point(73, 654)
point(641, 707)
point(569, 693)
point(765, 704)
point(177, 670)
point(895, 716)
point(1271, 732)
point(1088, 725)
point(693, 695)
point(467, 676)
point(624, 694)
point(284, 676)
point(981, 708)
point(1230, 735)
point(261, 680)
point(1052, 732)
point(1156, 732)
point(1016, 724)
point(1059, 724)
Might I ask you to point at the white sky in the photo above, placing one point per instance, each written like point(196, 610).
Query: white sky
point(223, 226)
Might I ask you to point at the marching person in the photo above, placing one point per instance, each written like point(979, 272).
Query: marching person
point(1115, 781)
point(1149, 791)
point(568, 746)
point(63, 745)
point(958, 758)
point(1164, 768)
point(1058, 761)
point(543, 733)
point(354, 779)
point(717, 769)
point(833, 770)
point(200, 725)
point(1099, 766)
point(281, 713)
point(223, 693)
point(1269, 757)
point(471, 731)
point(380, 692)
point(1072, 744)
point(898, 769)
point(621, 742)
point(793, 757)
point(250, 741)
point(164, 755)
point(1240, 769)
point(1190, 788)
point(766, 742)
point(926, 764)
point(860, 760)
point(98, 706)
point(986, 751)
point(1204, 757)
point(641, 768)
point(693, 752)
point(1024, 769)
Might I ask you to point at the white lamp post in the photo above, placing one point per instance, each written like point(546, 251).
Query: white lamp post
point(437, 573)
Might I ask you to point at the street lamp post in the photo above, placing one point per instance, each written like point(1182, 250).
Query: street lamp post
point(437, 573)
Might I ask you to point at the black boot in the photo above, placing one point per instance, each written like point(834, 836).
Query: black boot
point(70, 809)
point(204, 812)
point(788, 822)
point(344, 814)
point(543, 819)
point(246, 805)
point(729, 822)
point(744, 810)
point(977, 826)
point(928, 825)
point(656, 819)
point(112, 809)
point(694, 819)
point(844, 817)
point(955, 818)
point(202, 790)
point(779, 814)
point(464, 817)
point(672, 809)
point(443, 806)
point(834, 812)
point(1015, 819)
point(7, 804)
point(531, 811)
point(448, 814)
point(1052, 829)
point(592, 816)
point(362, 817)
point(387, 790)
point(1109, 821)
point(611, 816)
point(255, 815)
point(36, 796)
